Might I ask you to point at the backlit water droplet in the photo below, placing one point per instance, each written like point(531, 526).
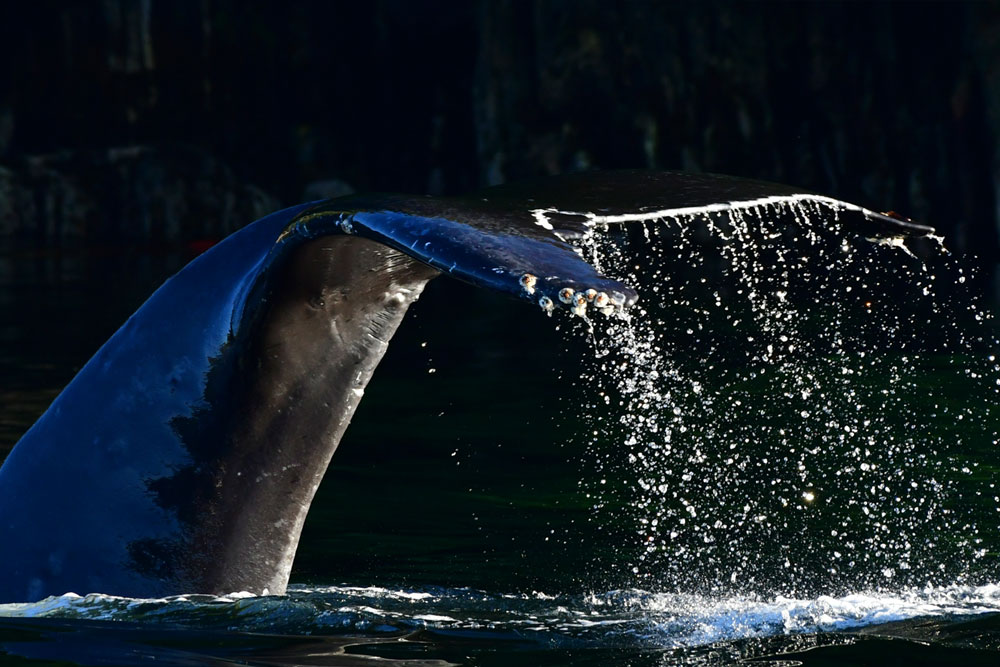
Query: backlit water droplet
point(796, 429)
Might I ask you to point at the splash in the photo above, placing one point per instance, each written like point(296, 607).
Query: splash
point(790, 411)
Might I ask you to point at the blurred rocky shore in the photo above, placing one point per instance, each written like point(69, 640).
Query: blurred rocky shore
point(161, 121)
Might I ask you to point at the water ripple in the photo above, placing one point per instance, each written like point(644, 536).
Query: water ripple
point(610, 618)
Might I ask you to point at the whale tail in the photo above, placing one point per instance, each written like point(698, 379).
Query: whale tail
point(184, 456)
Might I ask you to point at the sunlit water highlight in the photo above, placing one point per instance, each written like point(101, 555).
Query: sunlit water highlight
point(615, 618)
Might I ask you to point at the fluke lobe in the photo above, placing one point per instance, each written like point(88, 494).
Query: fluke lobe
point(184, 456)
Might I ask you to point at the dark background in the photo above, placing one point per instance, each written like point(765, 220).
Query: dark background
point(170, 122)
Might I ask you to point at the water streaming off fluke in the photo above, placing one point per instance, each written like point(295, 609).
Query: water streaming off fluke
point(789, 412)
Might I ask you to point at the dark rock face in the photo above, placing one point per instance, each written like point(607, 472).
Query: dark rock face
point(886, 104)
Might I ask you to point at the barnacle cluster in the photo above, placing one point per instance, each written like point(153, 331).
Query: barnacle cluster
point(576, 301)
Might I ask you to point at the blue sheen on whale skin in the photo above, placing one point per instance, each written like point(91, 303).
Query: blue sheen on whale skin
point(495, 261)
point(82, 504)
point(106, 492)
point(117, 413)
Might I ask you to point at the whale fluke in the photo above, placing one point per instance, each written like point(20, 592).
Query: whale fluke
point(184, 456)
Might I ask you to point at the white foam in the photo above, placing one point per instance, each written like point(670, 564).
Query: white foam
point(680, 620)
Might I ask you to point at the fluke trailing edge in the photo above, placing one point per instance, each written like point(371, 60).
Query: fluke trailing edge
point(185, 455)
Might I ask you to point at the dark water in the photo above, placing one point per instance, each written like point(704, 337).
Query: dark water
point(484, 508)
